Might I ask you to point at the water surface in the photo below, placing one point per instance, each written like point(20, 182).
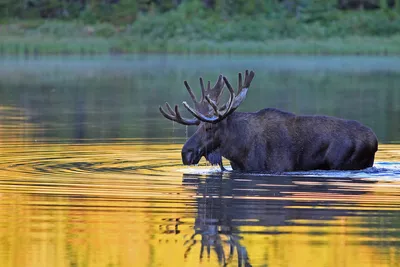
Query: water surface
point(90, 173)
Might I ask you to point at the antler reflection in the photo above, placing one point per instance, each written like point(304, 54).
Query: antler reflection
point(219, 239)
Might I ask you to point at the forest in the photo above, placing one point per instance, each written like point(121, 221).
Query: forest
point(124, 11)
point(323, 26)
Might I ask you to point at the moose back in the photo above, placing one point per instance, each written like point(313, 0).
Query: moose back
point(269, 140)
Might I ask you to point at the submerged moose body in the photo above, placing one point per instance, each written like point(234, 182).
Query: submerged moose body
point(270, 139)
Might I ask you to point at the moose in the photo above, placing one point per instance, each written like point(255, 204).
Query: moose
point(269, 140)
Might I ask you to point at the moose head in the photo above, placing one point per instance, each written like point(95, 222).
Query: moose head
point(210, 116)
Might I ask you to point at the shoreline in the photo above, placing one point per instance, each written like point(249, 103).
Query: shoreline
point(91, 45)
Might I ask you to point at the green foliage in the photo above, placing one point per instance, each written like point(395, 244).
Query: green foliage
point(59, 29)
point(122, 13)
point(194, 26)
point(377, 23)
point(46, 44)
point(8, 8)
point(182, 24)
point(125, 12)
point(383, 4)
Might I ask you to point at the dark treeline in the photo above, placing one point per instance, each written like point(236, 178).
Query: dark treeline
point(126, 11)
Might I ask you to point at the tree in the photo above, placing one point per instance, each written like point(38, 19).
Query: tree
point(126, 11)
point(397, 5)
point(383, 4)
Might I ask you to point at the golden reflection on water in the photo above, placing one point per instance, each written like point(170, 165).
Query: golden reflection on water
point(129, 203)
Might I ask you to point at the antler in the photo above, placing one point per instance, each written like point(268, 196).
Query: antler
point(176, 116)
point(233, 103)
point(201, 105)
point(206, 109)
point(213, 93)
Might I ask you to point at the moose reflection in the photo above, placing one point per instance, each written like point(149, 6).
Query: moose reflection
point(224, 206)
point(270, 139)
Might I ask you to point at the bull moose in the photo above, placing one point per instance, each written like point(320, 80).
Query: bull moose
point(269, 140)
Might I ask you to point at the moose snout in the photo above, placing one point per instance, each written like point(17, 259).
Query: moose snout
point(191, 156)
point(187, 157)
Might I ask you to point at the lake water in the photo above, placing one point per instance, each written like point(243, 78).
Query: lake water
point(91, 175)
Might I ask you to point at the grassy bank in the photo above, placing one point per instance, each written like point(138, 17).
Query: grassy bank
point(35, 45)
point(192, 29)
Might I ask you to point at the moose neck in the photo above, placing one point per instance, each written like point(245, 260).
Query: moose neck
point(235, 137)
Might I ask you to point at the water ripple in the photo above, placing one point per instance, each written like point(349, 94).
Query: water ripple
point(102, 193)
point(98, 158)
